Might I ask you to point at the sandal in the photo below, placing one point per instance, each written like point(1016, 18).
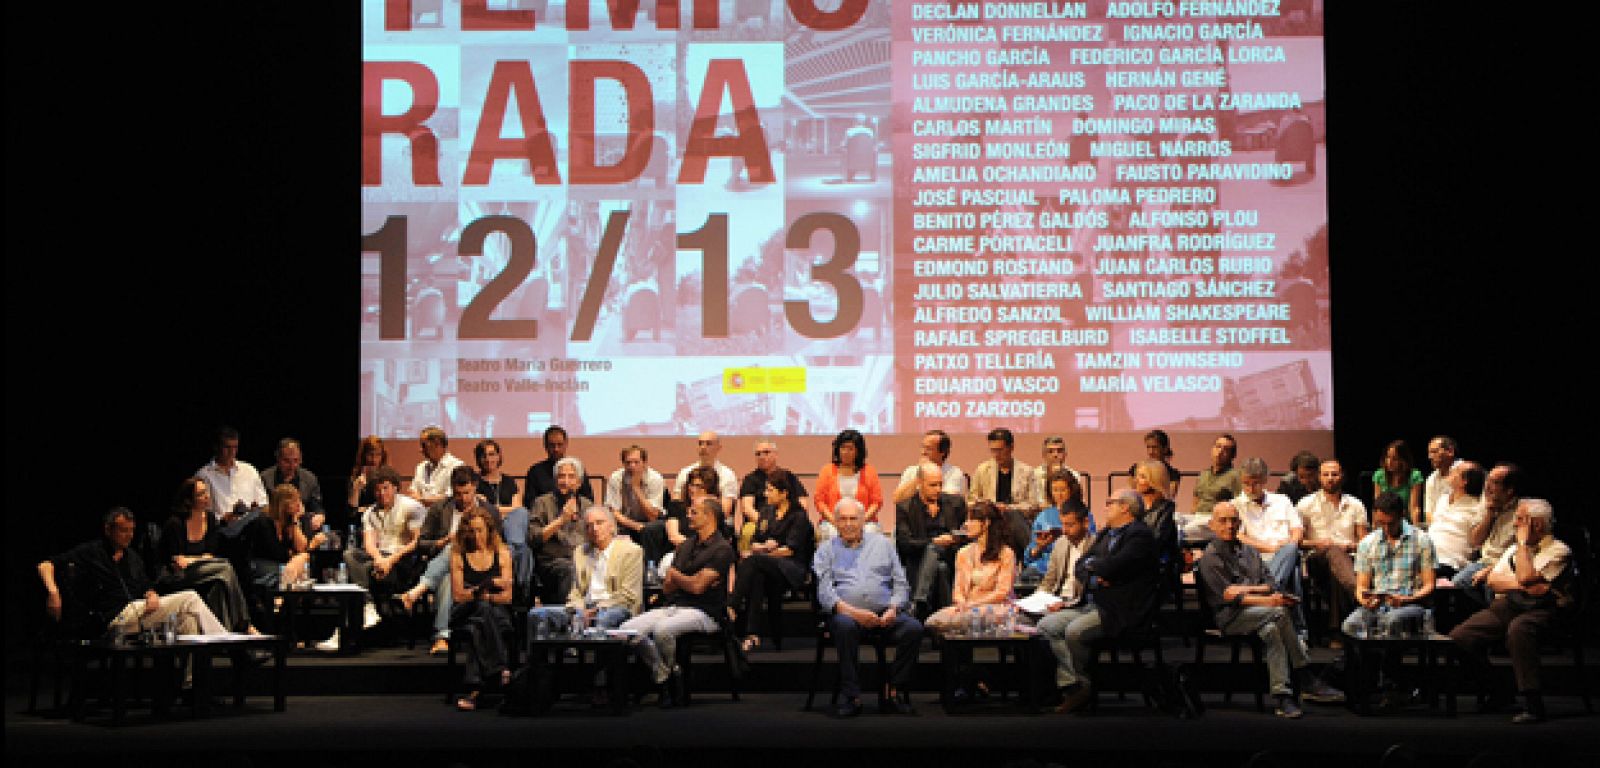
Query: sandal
point(409, 598)
point(505, 678)
point(468, 702)
point(751, 643)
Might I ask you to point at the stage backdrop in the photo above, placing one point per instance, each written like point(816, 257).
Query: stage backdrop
point(638, 218)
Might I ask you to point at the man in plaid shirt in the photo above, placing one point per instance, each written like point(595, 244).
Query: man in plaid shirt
point(1394, 572)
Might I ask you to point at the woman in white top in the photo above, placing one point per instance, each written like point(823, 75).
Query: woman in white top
point(1455, 516)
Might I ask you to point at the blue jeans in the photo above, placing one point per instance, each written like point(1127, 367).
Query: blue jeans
point(436, 577)
point(1478, 593)
point(555, 618)
point(1284, 566)
point(1406, 619)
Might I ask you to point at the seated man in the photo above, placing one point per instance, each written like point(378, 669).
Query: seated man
point(1244, 602)
point(752, 491)
point(237, 495)
point(114, 590)
point(1121, 574)
point(609, 585)
point(1334, 521)
point(287, 469)
point(860, 581)
point(927, 532)
point(1220, 481)
point(433, 543)
point(386, 555)
point(541, 477)
point(637, 495)
point(1528, 582)
point(936, 449)
point(1004, 481)
point(430, 483)
point(1495, 531)
point(1053, 460)
point(694, 591)
point(1394, 576)
point(707, 447)
point(555, 527)
point(1272, 526)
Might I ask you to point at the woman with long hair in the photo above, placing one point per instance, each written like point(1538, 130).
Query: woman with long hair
point(1065, 495)
point(480, 582)
point(986, 568)
point(496, 486)
point(1151, 482)
point(778, 560)
point(1397, 476)
point(370, 455)
point(188, 557)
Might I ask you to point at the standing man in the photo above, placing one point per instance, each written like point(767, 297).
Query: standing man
point(1244, 602)
point(1272, 526)
point(1529, 586)
point(555, 527)
point(929, 528)
point(708, 446)
point(1220, 481)
point(287, 469)
point(861, 585)
point(1495, 531)
point(936, 449)
point(1334, 523)
point(1002, 480)
point(430, 483)
point(1436, 489)
point(695, 591)
point(637, 495)
point(542, 475)
point(237, 494)
point(1120, 572)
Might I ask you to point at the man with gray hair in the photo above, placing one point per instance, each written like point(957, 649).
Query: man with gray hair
point(555, 527)
point(1120, 572)
point(1530, 583)
point(287, 468)
point(1272, 526)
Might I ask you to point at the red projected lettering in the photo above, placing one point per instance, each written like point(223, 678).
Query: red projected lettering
point(374, 124)
point(397, 15)
point(806, 12)
point(476, 17)
point(641, 119)
point(747, 141)
point(625, 12)
point(488, 145)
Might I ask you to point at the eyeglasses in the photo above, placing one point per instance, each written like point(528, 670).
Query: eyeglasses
point(762, 453)
point(706, 442)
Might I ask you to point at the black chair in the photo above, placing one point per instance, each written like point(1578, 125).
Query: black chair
point(1134, 642)
point(1208, 632)
point(877, 638)
point(1574, 624)
point(721, 638)
point(57, 642)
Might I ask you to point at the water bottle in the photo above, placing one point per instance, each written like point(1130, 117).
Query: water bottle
point(572, 622)
point(988, 620)
point(975, 623)
point(169, 630)
point(1427, 623)
point(283, 576)
point(327, 536)
point(344, 574)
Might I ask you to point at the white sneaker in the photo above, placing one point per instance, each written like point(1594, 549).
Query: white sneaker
point(331, 645)
point(370, 617)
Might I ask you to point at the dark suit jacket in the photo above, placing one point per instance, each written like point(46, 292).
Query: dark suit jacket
point(435, 531)
point(913, 529)
point(1131, 571)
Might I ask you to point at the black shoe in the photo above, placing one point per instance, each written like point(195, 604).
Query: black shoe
point(664, 697)
point(850, 708)
point(901, 704)
point(1287, 708)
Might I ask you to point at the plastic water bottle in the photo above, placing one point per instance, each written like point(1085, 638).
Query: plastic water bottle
point(975, 623)
point(1427, 623)
point(327, 536)
point(344, 574)
point(988, 620)
point(283, 576)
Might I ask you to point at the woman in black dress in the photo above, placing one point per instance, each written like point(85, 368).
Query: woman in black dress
point(480, 582)
point(188, 556)
point(778, 560)
point(276, 539)
point(496, 486)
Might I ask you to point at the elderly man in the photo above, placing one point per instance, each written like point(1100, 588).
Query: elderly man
point(754, 485)
point(1120, 572)
point(433, 542)
point(609, 587)
point(114, 590)
point(430, 483)
point(541, 478)
point(1244, 602)
point(1334, 521)
point(707, 447)
point(1220, 481)
point(1436, 489)
point(695, 592)
point(1495, 531)
point(1530, 585)
point(929, 529)
point(637, 495)
point(936, 449)
point(860, 581)
point(1002, 480)
point(286, 469)
point(386, 555)
point(555, 528)
point(1273, 527)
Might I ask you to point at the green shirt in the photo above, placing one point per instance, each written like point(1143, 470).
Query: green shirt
point(1213, 487)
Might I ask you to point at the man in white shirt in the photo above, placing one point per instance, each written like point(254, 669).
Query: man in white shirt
point(1457, 513)
point(1335, 523)
point(1529, 585)
point(430, 484)
point(1495, 531)
point(636, 494)
point(237, 494)
point(935, 449)
point(1273, 526)
point(1442, 455)
point(708, 446)
point(386, 555)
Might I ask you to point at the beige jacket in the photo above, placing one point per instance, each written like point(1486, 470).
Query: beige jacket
point(624, 576)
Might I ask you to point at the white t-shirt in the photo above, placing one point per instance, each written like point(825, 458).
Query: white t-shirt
point(1270, 521)
point(240, 482)
point(432, 480)
point(1451, 530)
point(597, 592)
point(1435, 494)
point(955, 481)
point(1325, 520)
point(390, 524)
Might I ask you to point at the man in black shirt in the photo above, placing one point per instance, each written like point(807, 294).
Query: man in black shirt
point(928, 532)
point(113, 591)
point(542, 475)
point(695, 588)
point(754, 485)
point(286, 469)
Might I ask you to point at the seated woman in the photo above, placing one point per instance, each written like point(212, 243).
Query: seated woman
point(1065, 494)
point(1397, 476)
point(985, 569)
point(779, 556)
point(847, 475)
point(1158, 447)
point(188, 556)
point(1151, 482)
point(276, 539)
point(480, 583)
point(496, 486)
